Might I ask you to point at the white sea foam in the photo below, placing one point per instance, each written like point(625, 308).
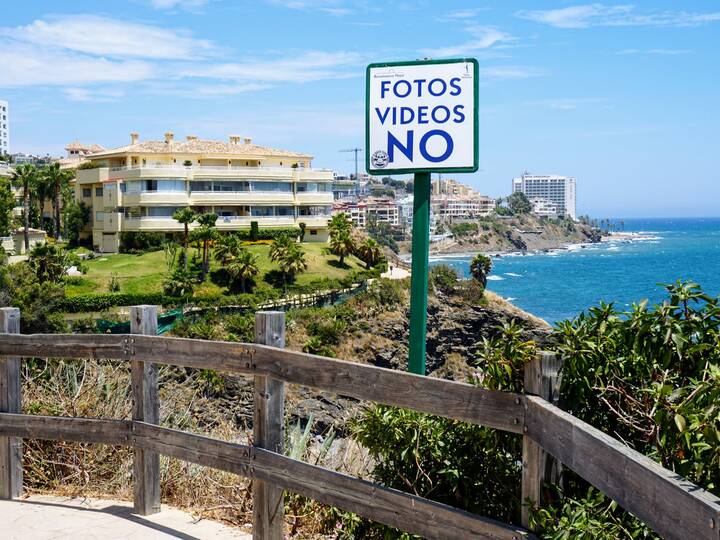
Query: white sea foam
point(495, 278)
point(513, 274)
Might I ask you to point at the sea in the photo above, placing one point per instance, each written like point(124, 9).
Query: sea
point(560, 284)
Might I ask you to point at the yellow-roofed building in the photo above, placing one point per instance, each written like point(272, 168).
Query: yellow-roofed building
point(140, 186)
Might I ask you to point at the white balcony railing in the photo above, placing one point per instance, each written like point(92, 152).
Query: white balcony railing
point(214, 168)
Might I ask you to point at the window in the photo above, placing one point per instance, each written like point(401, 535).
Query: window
point(272, 186)
point(99, 216)
point(313, 232)
point(283, 210)
point(87, 192)
point(123, 187)
point(196, 186)
point(313, 187)
point(98, 191)
point(262, 211)
point(230, 186)
point(161, 211)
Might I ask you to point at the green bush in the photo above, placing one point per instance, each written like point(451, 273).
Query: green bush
point(443, 278)
point(103, 301)
point(386, 292)
point(465, 228)
point(141, 242)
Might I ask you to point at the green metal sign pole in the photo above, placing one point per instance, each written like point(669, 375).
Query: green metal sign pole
point(419, 278)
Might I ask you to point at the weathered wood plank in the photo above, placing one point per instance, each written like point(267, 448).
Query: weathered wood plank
point(66, 345)
point(676, 508)
point(146, 408)
point(62, 428)
point(501, 410)
point(538, 467)
point(268, 424)
point(392, 507)
point(11, 472)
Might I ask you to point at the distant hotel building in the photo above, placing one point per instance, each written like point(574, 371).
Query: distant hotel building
point(4, 127)
point(140, 186)
point(546, 191)
point(361, 213)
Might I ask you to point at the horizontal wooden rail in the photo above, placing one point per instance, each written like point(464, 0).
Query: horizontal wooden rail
point(460, 401)
point(389, 506)
point(671, 505)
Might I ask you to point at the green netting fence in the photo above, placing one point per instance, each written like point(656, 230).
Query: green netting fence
point(167, 320)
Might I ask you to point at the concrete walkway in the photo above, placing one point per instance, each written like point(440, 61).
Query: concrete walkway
point(46, 518)
point(395, 272)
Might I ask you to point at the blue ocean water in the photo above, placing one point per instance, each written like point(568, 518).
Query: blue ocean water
point(561, 284)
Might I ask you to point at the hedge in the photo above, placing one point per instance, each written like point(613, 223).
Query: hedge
point(103, 301)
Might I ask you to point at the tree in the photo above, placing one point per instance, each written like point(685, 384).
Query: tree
point(22, 178)
point(48, 262)
point(480, 267)
point(342, 245)
point(56, 180)
point(341, 242)
point(339, 223)
point(205, 233)
point(280, 247)
point(370, 253)
point(185, 216)
point(77, 215)
point(227, 248)
point(242, 266)
point(7, 203)
point(519, 203)
point(293, 264)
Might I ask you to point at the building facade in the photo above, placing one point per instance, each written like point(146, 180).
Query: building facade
point(140, 186)
point(4, 127)
point(361, 213)
point(557, 190)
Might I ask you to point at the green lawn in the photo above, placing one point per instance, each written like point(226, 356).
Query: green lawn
point(145, 273)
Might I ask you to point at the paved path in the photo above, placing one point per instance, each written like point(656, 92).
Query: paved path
point(55, 518)
point(395, 272)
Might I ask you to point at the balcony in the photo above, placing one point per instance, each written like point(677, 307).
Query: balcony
point(223, 223)
point(155, 198)
point(232, 198)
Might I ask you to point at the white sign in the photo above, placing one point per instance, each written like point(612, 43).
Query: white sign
point(421, 116)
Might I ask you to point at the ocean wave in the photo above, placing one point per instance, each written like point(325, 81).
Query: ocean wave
point(495, 278)
point(513, 274)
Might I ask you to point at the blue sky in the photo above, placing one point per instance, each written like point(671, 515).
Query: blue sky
point(622, 96)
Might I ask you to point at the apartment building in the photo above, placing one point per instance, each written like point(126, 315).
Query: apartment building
point(361, 213)
point(140, 186)
point(78, 153)
point(558, 190)
point(462, 208)
point(4, 127)
point(452, 188)
point(544, 208)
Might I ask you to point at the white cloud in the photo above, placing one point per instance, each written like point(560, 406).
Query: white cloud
point(504, 73)
point(88, 94)
point(596, 14)
point(90, 34)
point(28, 65)
point(565, 104)
point(483, 37)
point(659, 52)
point(189, 5)
point(306, 67)
point(461, 14)
point(331, 7)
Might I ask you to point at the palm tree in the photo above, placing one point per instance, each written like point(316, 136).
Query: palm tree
point(40, 190)
point(56, 179)
point(342, 244)
point(280, 247)
point(23, 177)
point(226, 248)
point(339, 223)
point(370, 253)
point(205, 233)
point(243, 265)
point(292, 264)
point(185, 216)
point(48, 262)
point(480, 267)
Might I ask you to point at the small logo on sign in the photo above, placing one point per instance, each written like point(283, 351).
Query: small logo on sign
point(379, 159)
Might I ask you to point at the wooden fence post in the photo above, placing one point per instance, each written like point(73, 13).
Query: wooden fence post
point(268, 427)
point(538, 467)
point(11, 473)
point(146, 408)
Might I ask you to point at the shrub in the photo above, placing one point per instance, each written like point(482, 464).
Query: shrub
point(103, 301)
point(443, 278)
point(140, 242)
point(386, 292)
point(465, 228)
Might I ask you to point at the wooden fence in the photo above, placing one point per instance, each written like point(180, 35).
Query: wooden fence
point(674, 507)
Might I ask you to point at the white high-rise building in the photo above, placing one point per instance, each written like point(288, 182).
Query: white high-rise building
point(557, 190)
point(4, 127)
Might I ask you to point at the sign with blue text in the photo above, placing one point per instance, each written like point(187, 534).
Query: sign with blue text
point(421, 117)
